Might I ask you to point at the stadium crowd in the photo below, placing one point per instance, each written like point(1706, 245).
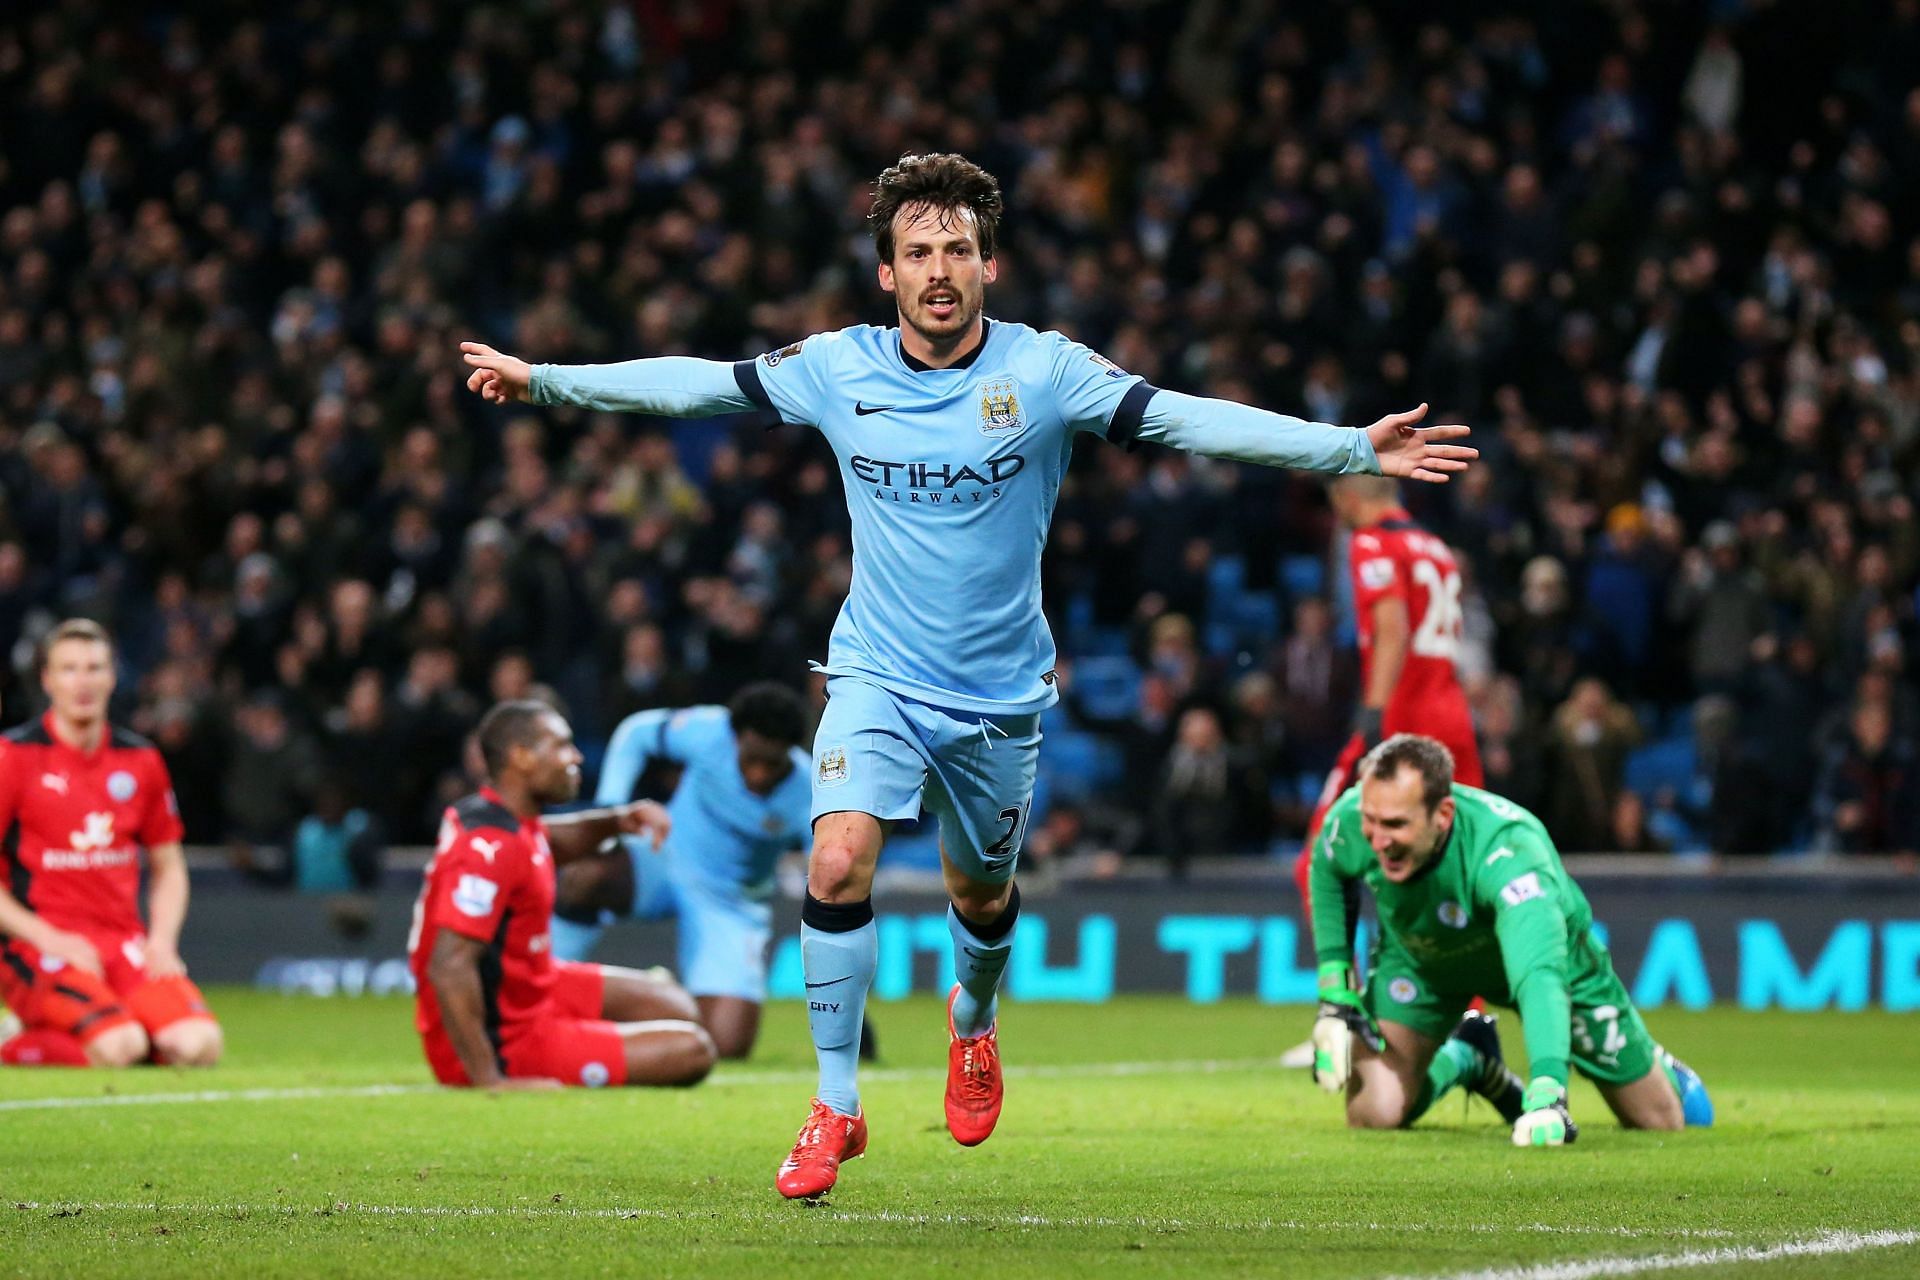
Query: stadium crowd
point(1673, 285)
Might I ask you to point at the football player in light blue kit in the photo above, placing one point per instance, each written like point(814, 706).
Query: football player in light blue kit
point(952, 433)
point(742, 801)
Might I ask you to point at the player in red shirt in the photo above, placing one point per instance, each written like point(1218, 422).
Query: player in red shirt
point(79, 799)
point(1406, 600)
point(494, 1009)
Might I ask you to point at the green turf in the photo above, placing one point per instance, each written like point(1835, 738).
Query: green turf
point(1208, 1163)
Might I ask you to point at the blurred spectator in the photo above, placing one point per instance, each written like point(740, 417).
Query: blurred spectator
point(336, 849)
point(1628, 831)
point(1722, 606)
point(1587, 753)
point(271, 774)
point(1865, 800)
point(1204, 796)
point(232, 423)
point(1319, 679)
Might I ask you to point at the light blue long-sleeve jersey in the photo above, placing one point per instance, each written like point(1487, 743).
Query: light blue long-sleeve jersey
point(951, 478)
point(724, 835)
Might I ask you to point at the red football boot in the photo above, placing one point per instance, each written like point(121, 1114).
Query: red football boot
point(826, 1139)
point(974, 1088)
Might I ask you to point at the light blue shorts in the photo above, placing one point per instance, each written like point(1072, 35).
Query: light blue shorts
point(722, 938)
point(886, 755)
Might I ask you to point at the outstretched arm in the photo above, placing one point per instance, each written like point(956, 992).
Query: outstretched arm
point(579, 835)
point(670, 386)
point(1393, 446)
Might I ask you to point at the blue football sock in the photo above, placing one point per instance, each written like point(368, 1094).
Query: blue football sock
point(979, 959)
point(839, 951)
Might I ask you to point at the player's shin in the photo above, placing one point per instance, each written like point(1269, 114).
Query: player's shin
point(839, 950)
point(980, 952)
point(1453, 1062)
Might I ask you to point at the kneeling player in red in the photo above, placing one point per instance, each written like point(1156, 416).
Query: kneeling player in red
point(79, 798)
point(494, 1010)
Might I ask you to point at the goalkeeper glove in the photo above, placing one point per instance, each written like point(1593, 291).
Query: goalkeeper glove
point(1545, 1122)
point(1341, 1018)
point(1367, 726)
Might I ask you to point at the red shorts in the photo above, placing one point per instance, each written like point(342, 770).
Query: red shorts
point(49, 994)
point(567, 1040)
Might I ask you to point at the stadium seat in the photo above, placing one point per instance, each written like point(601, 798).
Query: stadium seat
point(1108, 687)
point(1303, 575)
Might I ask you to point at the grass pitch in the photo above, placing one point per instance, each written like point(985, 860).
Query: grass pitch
point(1147, 1137)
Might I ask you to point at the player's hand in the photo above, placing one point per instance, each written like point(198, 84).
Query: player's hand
point(164, 961)
point(524, 1084)
point(1419, 453)
point(1546, 1122)
point(1342, 1019)
point(644, 818)
point(73, 949)
point(497, 378)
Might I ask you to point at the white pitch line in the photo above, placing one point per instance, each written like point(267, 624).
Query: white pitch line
point(888, 1217)
point(214, 1095)
point(1049, 1072)
point(1825, 1244)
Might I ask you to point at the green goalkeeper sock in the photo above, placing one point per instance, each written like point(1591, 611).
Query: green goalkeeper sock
point(1454, 1060)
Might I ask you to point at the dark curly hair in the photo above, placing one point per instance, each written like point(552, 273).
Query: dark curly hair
point(771, 710)
point(944, 182)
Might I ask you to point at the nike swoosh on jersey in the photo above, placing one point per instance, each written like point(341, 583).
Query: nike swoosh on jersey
point(828, 983)
point(863, 410)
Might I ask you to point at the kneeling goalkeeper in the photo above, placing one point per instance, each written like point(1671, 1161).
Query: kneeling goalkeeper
point(1472, 900)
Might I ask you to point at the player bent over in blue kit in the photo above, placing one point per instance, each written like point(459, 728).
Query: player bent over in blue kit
point(953, 433)
point(741, 802)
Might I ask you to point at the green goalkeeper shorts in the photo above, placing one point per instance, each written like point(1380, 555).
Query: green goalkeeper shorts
point(1610, 1043)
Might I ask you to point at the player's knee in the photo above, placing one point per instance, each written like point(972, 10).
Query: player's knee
point(676, 1002)
point(695, 1058)
point(1376, 1108)
point(837, 872)
point(731, 1043)
point(1369, 1115)
point(121, 1046)
point(196, 1042)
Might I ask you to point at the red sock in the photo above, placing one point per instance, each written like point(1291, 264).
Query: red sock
point(43, 1049)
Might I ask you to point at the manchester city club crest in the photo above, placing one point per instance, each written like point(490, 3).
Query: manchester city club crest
point(831, 767)
point(1000, 407)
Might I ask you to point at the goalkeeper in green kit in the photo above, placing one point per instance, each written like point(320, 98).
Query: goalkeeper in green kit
point(1472, 900)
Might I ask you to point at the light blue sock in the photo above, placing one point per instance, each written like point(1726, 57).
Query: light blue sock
point(839, 966)
point(978, 964)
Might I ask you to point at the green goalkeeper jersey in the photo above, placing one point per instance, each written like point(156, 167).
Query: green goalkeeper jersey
point(1494, 915)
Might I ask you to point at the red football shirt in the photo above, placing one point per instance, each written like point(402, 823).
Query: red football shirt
point(491, 879)
point(75, 822)
point(1396, 558)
